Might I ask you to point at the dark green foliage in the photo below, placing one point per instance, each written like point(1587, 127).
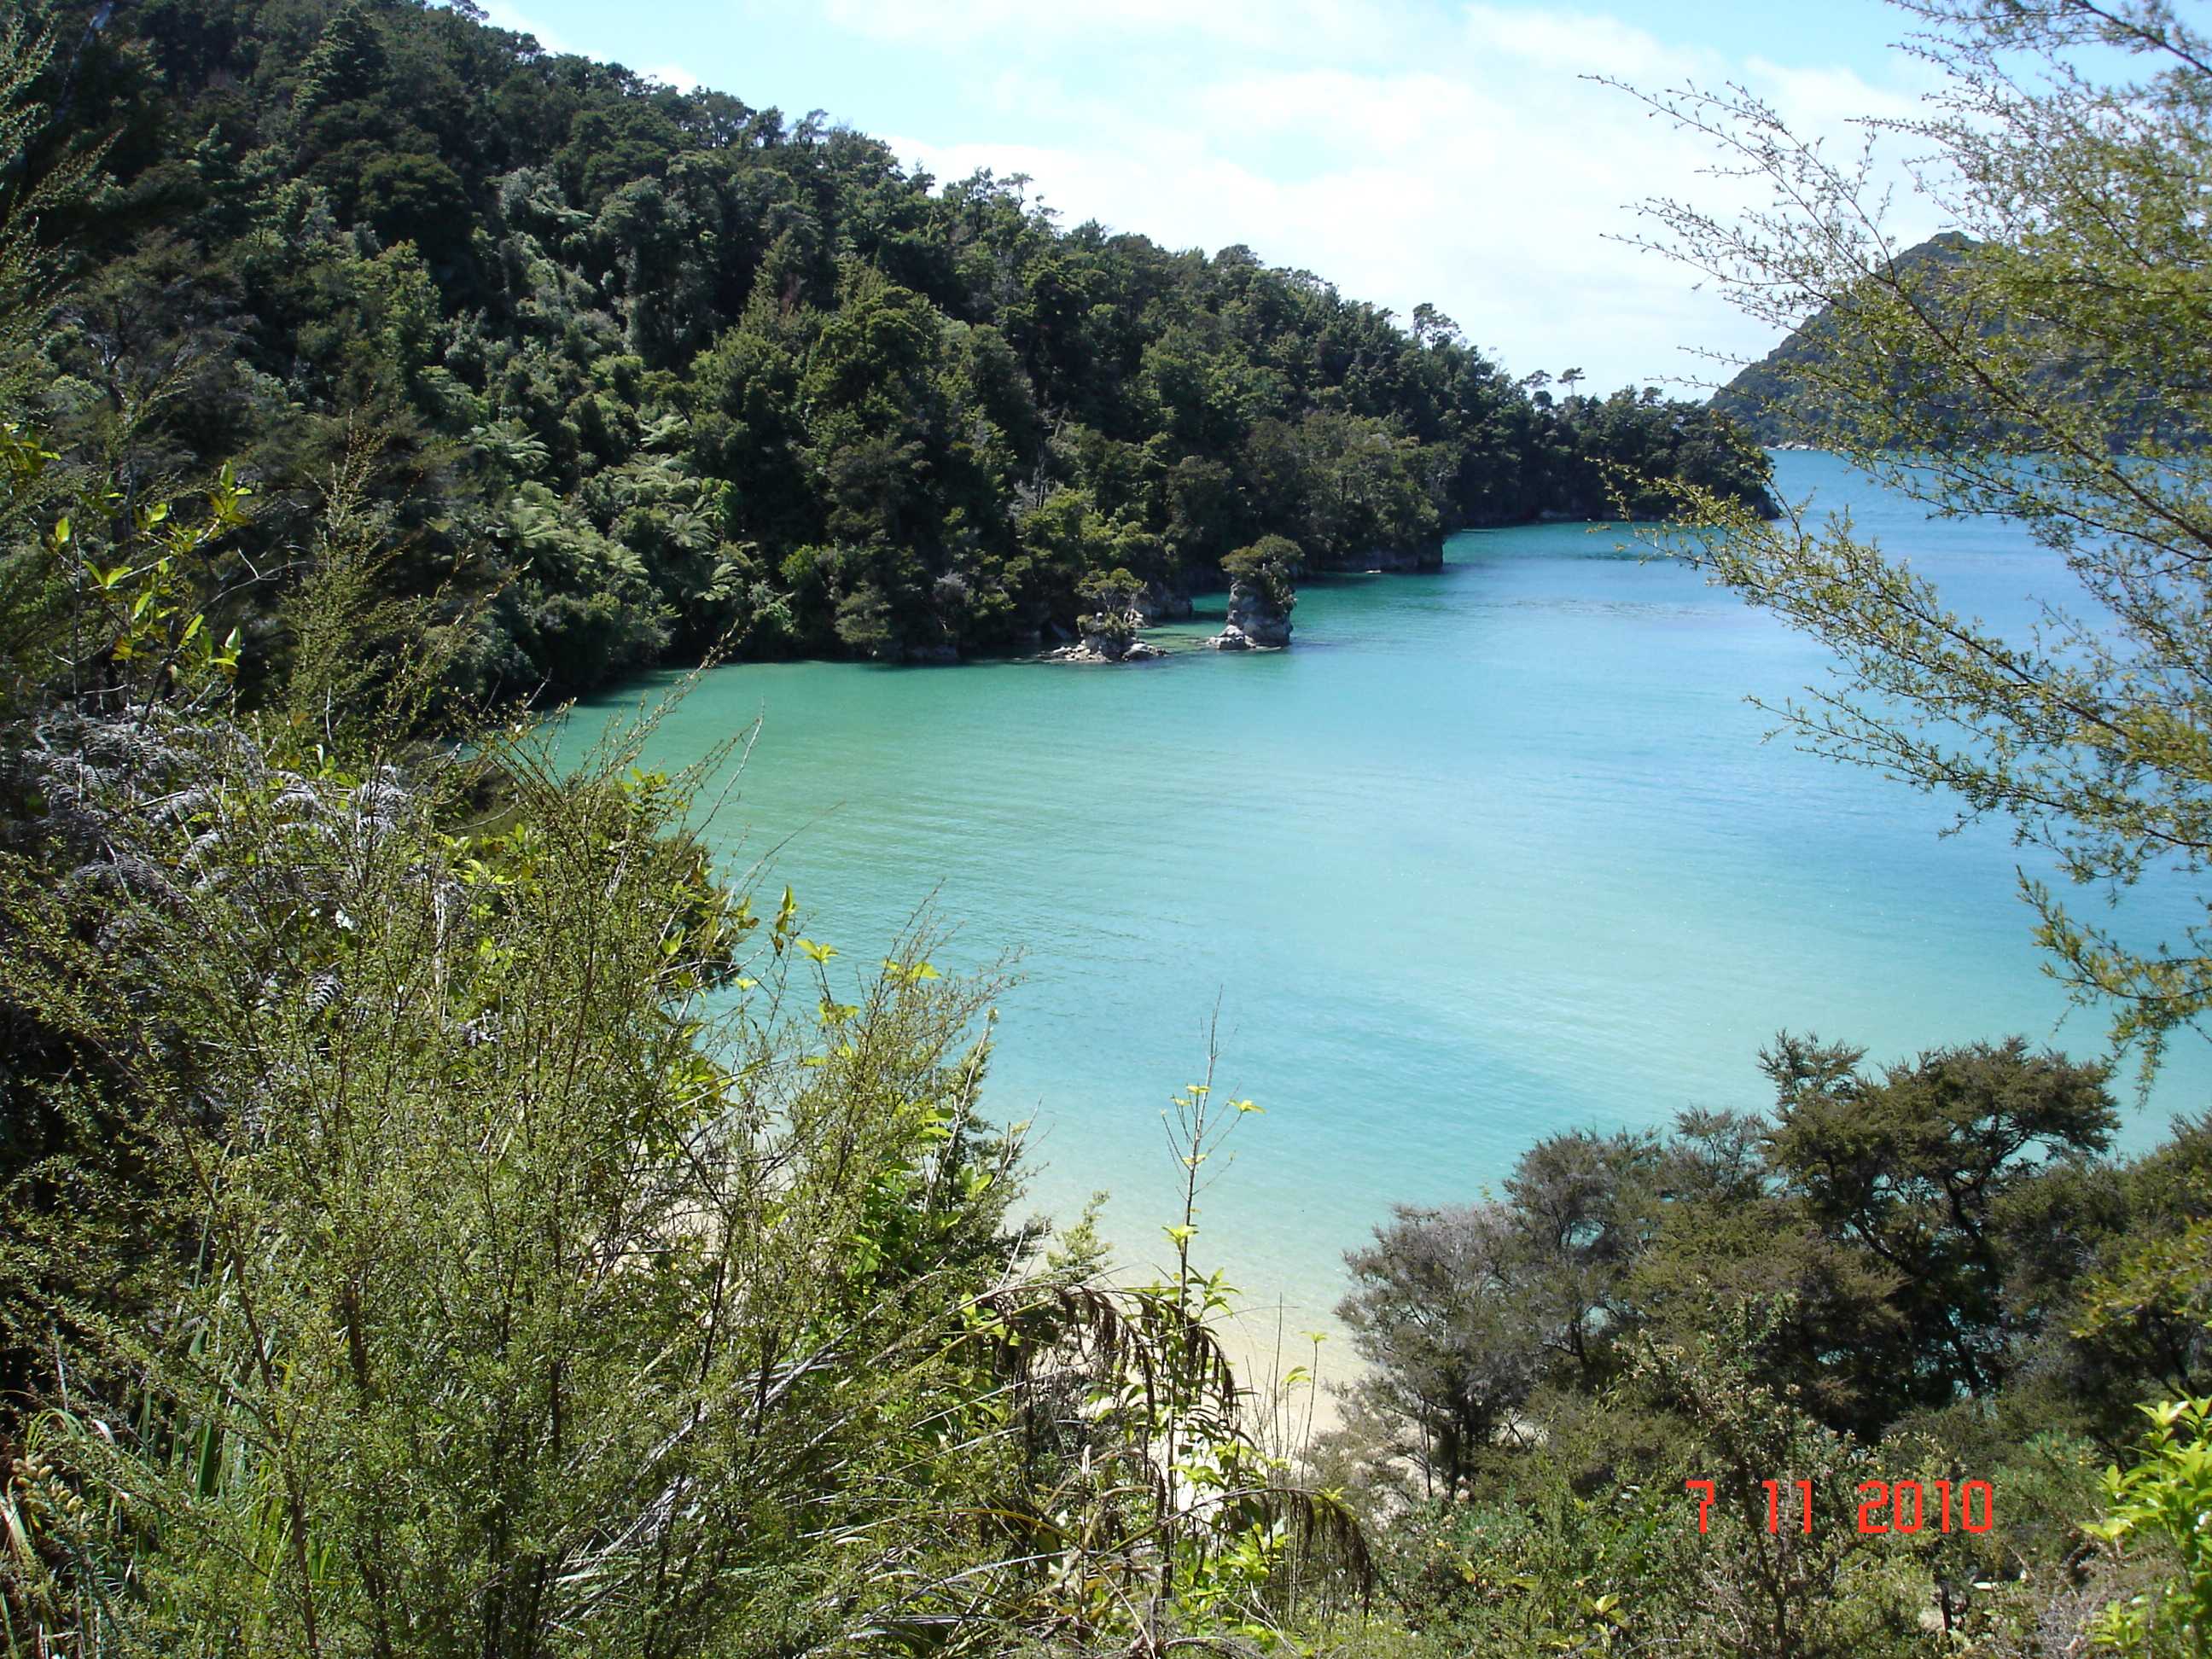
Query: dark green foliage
point(1109, 598)
point(1923, 1171)
point(441, 1216)
point(1917, 1233)
point(1933, 1272)
point(633, 371)
point(437, 1215)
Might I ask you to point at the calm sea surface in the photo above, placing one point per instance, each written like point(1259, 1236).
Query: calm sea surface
point(1487, 855)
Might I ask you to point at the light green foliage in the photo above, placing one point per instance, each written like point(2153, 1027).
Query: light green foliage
point(1589, 1543)
point(1105, 561)
point(2051, 369)
point(506, 1290)
point(442, 1218)
point(1158, 1516)
point(2164, 1499)
point(2043, 361)
point(1547, 1570)
point(440, 1215)
point(2150, 1302)
point(105, 602)
point(1783, 1591)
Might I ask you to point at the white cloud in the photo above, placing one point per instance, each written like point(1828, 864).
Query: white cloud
point(1013, 25)
point(1577, 43)
point(507, 16)
point(1494, 180)
point(1389, 114)
point(1831, 96)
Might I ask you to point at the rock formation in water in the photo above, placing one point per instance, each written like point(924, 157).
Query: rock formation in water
point(1117, 608)
point(1255, 619)
point(1262, 592)
point(1109, 637)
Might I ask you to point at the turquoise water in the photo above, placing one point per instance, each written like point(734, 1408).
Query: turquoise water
point(1489, 854)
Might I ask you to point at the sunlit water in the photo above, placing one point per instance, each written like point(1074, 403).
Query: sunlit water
point(1489, 854)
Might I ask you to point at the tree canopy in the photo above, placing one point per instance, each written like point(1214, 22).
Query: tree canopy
point(629, 372)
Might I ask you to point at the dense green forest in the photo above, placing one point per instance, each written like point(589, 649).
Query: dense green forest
point(1920, 1275)
point(623, 372)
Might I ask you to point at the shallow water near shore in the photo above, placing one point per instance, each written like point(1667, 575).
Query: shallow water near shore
point(1488, 854)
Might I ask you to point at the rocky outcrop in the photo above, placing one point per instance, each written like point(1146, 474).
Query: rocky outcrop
point(1115, 644)
point(1253, 621)
point(1106, 651)
point(1261, 622)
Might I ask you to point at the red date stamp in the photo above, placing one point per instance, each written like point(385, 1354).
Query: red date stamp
point(1885, 1506)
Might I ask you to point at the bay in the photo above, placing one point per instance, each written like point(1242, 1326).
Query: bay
point(1488, 854)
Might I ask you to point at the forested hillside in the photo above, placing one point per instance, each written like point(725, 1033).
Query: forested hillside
point(618, 372)
point(1787, 397)
point(1805, 392)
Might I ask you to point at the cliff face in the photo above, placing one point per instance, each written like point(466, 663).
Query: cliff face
point(1254, 621)
point(1261, 622)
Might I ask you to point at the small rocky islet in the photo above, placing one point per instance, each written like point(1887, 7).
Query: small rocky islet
point(1259, 617)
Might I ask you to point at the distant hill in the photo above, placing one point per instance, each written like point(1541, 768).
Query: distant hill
point(1772, 397)
point(1779, 401)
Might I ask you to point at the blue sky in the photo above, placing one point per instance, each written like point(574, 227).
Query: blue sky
point(1445, 152)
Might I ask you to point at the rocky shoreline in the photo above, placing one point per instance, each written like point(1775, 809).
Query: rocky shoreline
point(1102, 648)
point(1385, 561)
